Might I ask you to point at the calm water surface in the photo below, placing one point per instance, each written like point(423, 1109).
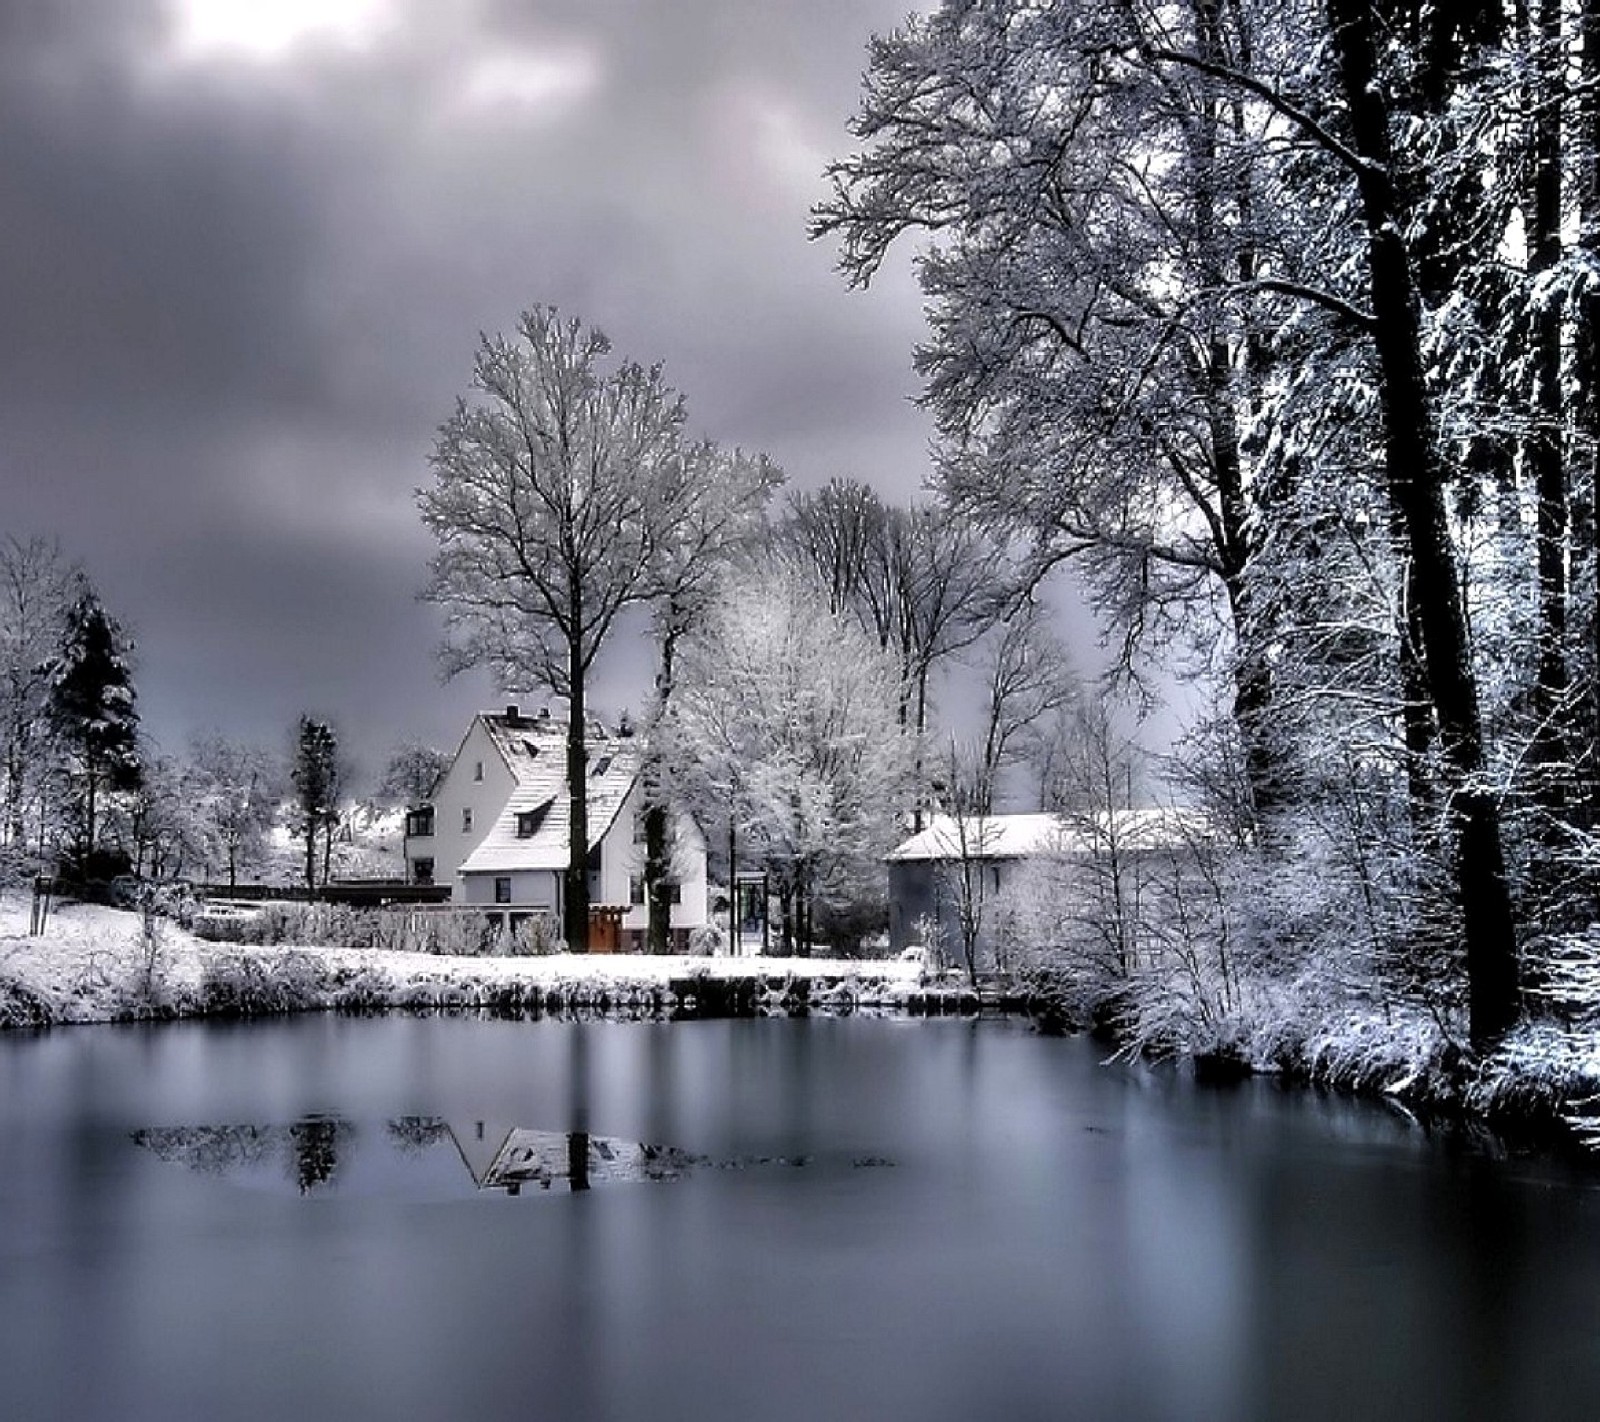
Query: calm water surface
point(326, 1217)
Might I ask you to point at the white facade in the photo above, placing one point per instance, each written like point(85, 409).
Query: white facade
point(500, 816)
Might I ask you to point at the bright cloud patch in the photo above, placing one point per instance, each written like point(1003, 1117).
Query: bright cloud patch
point(270, 29)
point(529, 81)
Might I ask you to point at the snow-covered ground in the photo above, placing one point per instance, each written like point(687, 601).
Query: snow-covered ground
point(95, 964)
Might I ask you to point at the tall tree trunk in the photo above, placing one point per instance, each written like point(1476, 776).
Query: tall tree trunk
point(1218, 270)
point(575, 902)
point(1415, 480)
point(1586, 366)
point(1544, 448)
point(657, 823)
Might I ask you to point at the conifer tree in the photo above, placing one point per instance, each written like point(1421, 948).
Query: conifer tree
point(95, 722)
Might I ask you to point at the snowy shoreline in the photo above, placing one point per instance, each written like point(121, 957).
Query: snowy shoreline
point(95, 965)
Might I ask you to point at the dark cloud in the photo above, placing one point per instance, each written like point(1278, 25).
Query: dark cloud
point(238, 294)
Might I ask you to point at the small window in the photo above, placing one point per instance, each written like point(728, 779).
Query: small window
point(422, 871)
point(502, 889)
point(477, 770)
point(466, 819)
point(636, 890)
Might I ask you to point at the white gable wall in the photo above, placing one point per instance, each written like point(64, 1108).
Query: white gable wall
point(461, 790)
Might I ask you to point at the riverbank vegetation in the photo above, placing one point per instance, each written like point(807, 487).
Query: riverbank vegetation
point(1278, 323)
point(98, 964)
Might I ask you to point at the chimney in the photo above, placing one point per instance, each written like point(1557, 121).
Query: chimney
point(513, 716)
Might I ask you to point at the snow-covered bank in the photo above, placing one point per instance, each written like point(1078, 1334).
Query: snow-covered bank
point(1540, 1086)
point(96, 964)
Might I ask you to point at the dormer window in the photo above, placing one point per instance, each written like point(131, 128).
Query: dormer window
point(602, 765)
point(528, 821)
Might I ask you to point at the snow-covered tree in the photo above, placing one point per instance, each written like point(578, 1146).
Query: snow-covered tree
point(410, 774)
point(36, 588)
point(555, 486)
point(784, 729)
point(1028, 681)
point(94, 724)
point(719, 516)
point(238, 789)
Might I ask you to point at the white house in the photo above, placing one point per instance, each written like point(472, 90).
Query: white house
point(496, 830)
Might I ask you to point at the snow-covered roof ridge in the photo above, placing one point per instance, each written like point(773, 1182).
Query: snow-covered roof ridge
point(1022, 836)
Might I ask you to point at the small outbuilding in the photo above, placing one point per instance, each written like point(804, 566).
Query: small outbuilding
point(958, 857)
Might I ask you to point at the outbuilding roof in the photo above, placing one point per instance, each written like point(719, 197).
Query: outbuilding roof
point(948, 837)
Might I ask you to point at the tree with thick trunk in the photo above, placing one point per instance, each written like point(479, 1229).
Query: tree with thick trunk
point(554, 487)
point(1415, 480)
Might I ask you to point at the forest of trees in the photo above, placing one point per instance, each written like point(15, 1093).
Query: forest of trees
point(85, 793)
point(1278, 323)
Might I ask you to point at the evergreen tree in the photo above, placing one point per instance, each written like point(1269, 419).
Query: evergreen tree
point(316, 785)
point(95, 722)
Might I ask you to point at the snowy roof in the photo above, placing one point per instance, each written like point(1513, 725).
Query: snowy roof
point(1021, 836)
point(535, 752)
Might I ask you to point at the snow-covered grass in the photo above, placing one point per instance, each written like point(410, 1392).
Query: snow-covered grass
point(96, 964)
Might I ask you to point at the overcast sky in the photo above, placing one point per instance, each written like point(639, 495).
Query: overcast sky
point(248, 248)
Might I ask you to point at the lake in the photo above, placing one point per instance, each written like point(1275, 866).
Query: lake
point(341, 1217)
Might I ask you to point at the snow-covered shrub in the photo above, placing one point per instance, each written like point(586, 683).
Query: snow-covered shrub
point(707, 941)
point(252, 984)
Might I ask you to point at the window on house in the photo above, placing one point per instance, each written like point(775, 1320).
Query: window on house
point(466, 819)
point(422, 871)
point(419, 823)
point(502, 889)
point(477, 770)
point(601, 766)
point(636, 890)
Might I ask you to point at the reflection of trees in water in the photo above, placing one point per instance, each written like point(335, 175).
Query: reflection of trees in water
point(315, 1142)
point(215, 1150)
point(309, 1149)
point(411, 1135)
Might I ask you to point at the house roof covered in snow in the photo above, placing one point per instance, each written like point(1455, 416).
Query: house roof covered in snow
point(949, 837)
point(532, 829)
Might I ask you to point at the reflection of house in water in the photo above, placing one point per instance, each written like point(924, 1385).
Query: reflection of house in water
point(509, 1157)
